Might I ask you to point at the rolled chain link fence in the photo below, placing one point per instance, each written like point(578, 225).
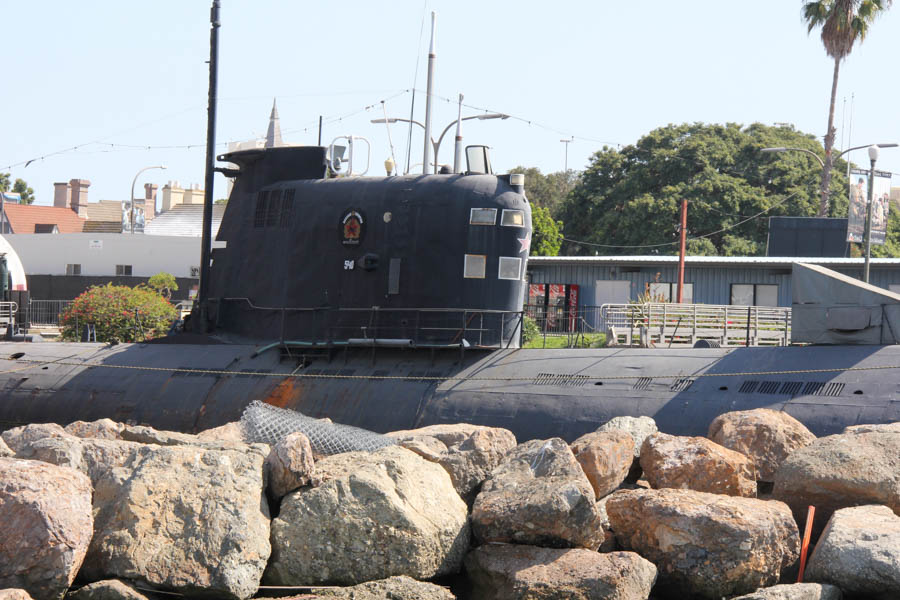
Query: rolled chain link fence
point(269, 424)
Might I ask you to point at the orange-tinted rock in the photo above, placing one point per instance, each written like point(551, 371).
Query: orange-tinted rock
point(605, 457)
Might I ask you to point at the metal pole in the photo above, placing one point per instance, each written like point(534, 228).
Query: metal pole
point(683, 247)
point(429, 87)
point(457, 149)
point(206, 241)
point(869, 220)
point(319, 143)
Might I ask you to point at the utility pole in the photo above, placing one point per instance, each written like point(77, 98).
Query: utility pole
point(682, 250)
point(567, 142)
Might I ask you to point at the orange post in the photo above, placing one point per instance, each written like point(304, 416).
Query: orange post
point(804, 547)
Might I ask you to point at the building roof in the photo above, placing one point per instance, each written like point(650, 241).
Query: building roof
point(697, 261)
point(184, 220)
point(104, 217)
point(23, 218)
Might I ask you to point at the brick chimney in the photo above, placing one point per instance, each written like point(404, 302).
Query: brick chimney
point(150, 200)
point(173, 195)
point(62, 195)
point(80, 196)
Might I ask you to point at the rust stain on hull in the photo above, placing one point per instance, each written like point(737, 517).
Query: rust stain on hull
point(284, 394)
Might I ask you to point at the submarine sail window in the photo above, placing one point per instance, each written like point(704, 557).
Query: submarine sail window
point(474, 267)
point(483, 216)
point(513, 218)
point(510, 268)
point(478, 160)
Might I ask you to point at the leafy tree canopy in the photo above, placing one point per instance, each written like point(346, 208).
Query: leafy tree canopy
point(163, 284)
point(546, 236)
point(547, 190)
point(19, 187)
point(628, 201)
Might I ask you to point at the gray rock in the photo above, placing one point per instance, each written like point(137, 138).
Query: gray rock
point(840, 471)
point(880, 427)
point(18, 437)
point(511, 571)
point(229, 432)
point(795, 591)
point(108, 589)
point(45, 513)
point(185, 518)
point(638, 427)
point(706, 545)
point(106, 429)
point(392, 588)
point(468, 452)
point(5, 450)
point(14, 594)
point(147, 435)
point(859, 552)
point(538, 495)
point(374, 515)
point(290, 465)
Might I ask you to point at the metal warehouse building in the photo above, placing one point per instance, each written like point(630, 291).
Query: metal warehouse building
point(586, 281)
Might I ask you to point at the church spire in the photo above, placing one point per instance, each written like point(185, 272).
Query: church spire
point(273, 135)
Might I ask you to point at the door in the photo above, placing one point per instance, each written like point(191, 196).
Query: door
point(614, 291)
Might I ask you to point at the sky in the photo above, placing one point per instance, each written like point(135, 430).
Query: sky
point(99, 90)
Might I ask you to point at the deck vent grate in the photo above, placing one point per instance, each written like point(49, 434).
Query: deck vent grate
point(812, 388)
point(748, 387)
point(791, 387)
point(561, 380)
point(643, 383)
point(831, 389)
point(769, 387)
point(681, 384)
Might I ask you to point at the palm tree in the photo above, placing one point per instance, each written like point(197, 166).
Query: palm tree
point(842, 23)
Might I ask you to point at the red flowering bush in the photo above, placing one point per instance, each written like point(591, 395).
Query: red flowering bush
point(118, 313)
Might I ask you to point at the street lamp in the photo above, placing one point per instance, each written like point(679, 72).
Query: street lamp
point(836, 156)
point(567, 142)
point(873, 156)
point(437, 144)
point(132, 191)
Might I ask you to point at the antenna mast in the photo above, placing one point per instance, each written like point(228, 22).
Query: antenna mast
point(430, 86)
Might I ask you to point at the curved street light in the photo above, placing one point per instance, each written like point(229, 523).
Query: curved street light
point(134, 181)
point(437, 144)
point(818, 158)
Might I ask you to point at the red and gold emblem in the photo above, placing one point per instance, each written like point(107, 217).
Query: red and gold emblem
point(352, 228)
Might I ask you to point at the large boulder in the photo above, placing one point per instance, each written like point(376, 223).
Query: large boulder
point(767, 436)
point(186, 518)
point(638, 427)
point(510, 571)
point(106, 429)
point(18, 437)
point(374, 515)
point(706, 545)
point(229, 432)
point(696, 463)
point(839, 471)
point(605, 457)
point(14, 594)
point(468, 452)
point(538, 495)
point(108, 589)
point(45, 513)
point(878, 427)
point(859, 552)
point(290, 464)
point(795, 591)
point(393, 588)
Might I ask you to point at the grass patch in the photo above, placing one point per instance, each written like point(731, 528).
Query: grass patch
point(587, 340)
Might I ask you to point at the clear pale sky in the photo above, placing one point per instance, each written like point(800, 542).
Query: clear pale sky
point(125, 73)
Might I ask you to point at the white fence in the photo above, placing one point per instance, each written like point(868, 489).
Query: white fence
point(662, 325)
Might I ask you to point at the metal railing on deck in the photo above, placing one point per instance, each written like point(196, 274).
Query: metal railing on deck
point(664, 324)
point(39, 313)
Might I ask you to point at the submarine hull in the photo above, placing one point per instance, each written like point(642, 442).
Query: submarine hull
point(537, 394)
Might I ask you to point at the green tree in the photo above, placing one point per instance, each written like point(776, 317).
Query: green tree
point(163, 284)
point(842, 23)
point(118, 313)
point(628, 201)
point(25, 192)
point(546, 234)
point(548, 190)
point(4, 182)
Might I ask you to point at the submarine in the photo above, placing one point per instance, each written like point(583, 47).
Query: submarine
point(393, 303)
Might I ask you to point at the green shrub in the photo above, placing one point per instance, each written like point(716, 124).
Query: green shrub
point(111, 309)
point(530, 330)
point(164, 284)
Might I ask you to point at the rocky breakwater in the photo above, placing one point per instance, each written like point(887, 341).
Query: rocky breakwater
point(109, 510)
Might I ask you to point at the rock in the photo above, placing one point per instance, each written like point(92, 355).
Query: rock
point(839, 471)
point(147, 435)
point(609, 536)
point(696, 463)
point(108, 589)
point(469, 454)
point(859, 552)
point(540, 496)
point(186, 518)
point(392, 588)
point(106, 429)
point(706, 545)
point(290, 465)
point(374, 515)
point(229, 432)
point(638, 427)
point(766, 436)
point(508, 571)
point(605, 457)
point(795, 591)
point(14, 594)
point(45, 512)
point(17, 437)
point(883, 427)
point(5, 450)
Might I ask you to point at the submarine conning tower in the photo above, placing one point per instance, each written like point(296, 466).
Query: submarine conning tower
point(310, 259)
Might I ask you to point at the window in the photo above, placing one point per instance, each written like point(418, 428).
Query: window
point(123, 270)
point(754, 294)
point(474, 266)
point(483, 216)
point(513, 218)
point(73, 269)
point(669, 292)
point(510, 268)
